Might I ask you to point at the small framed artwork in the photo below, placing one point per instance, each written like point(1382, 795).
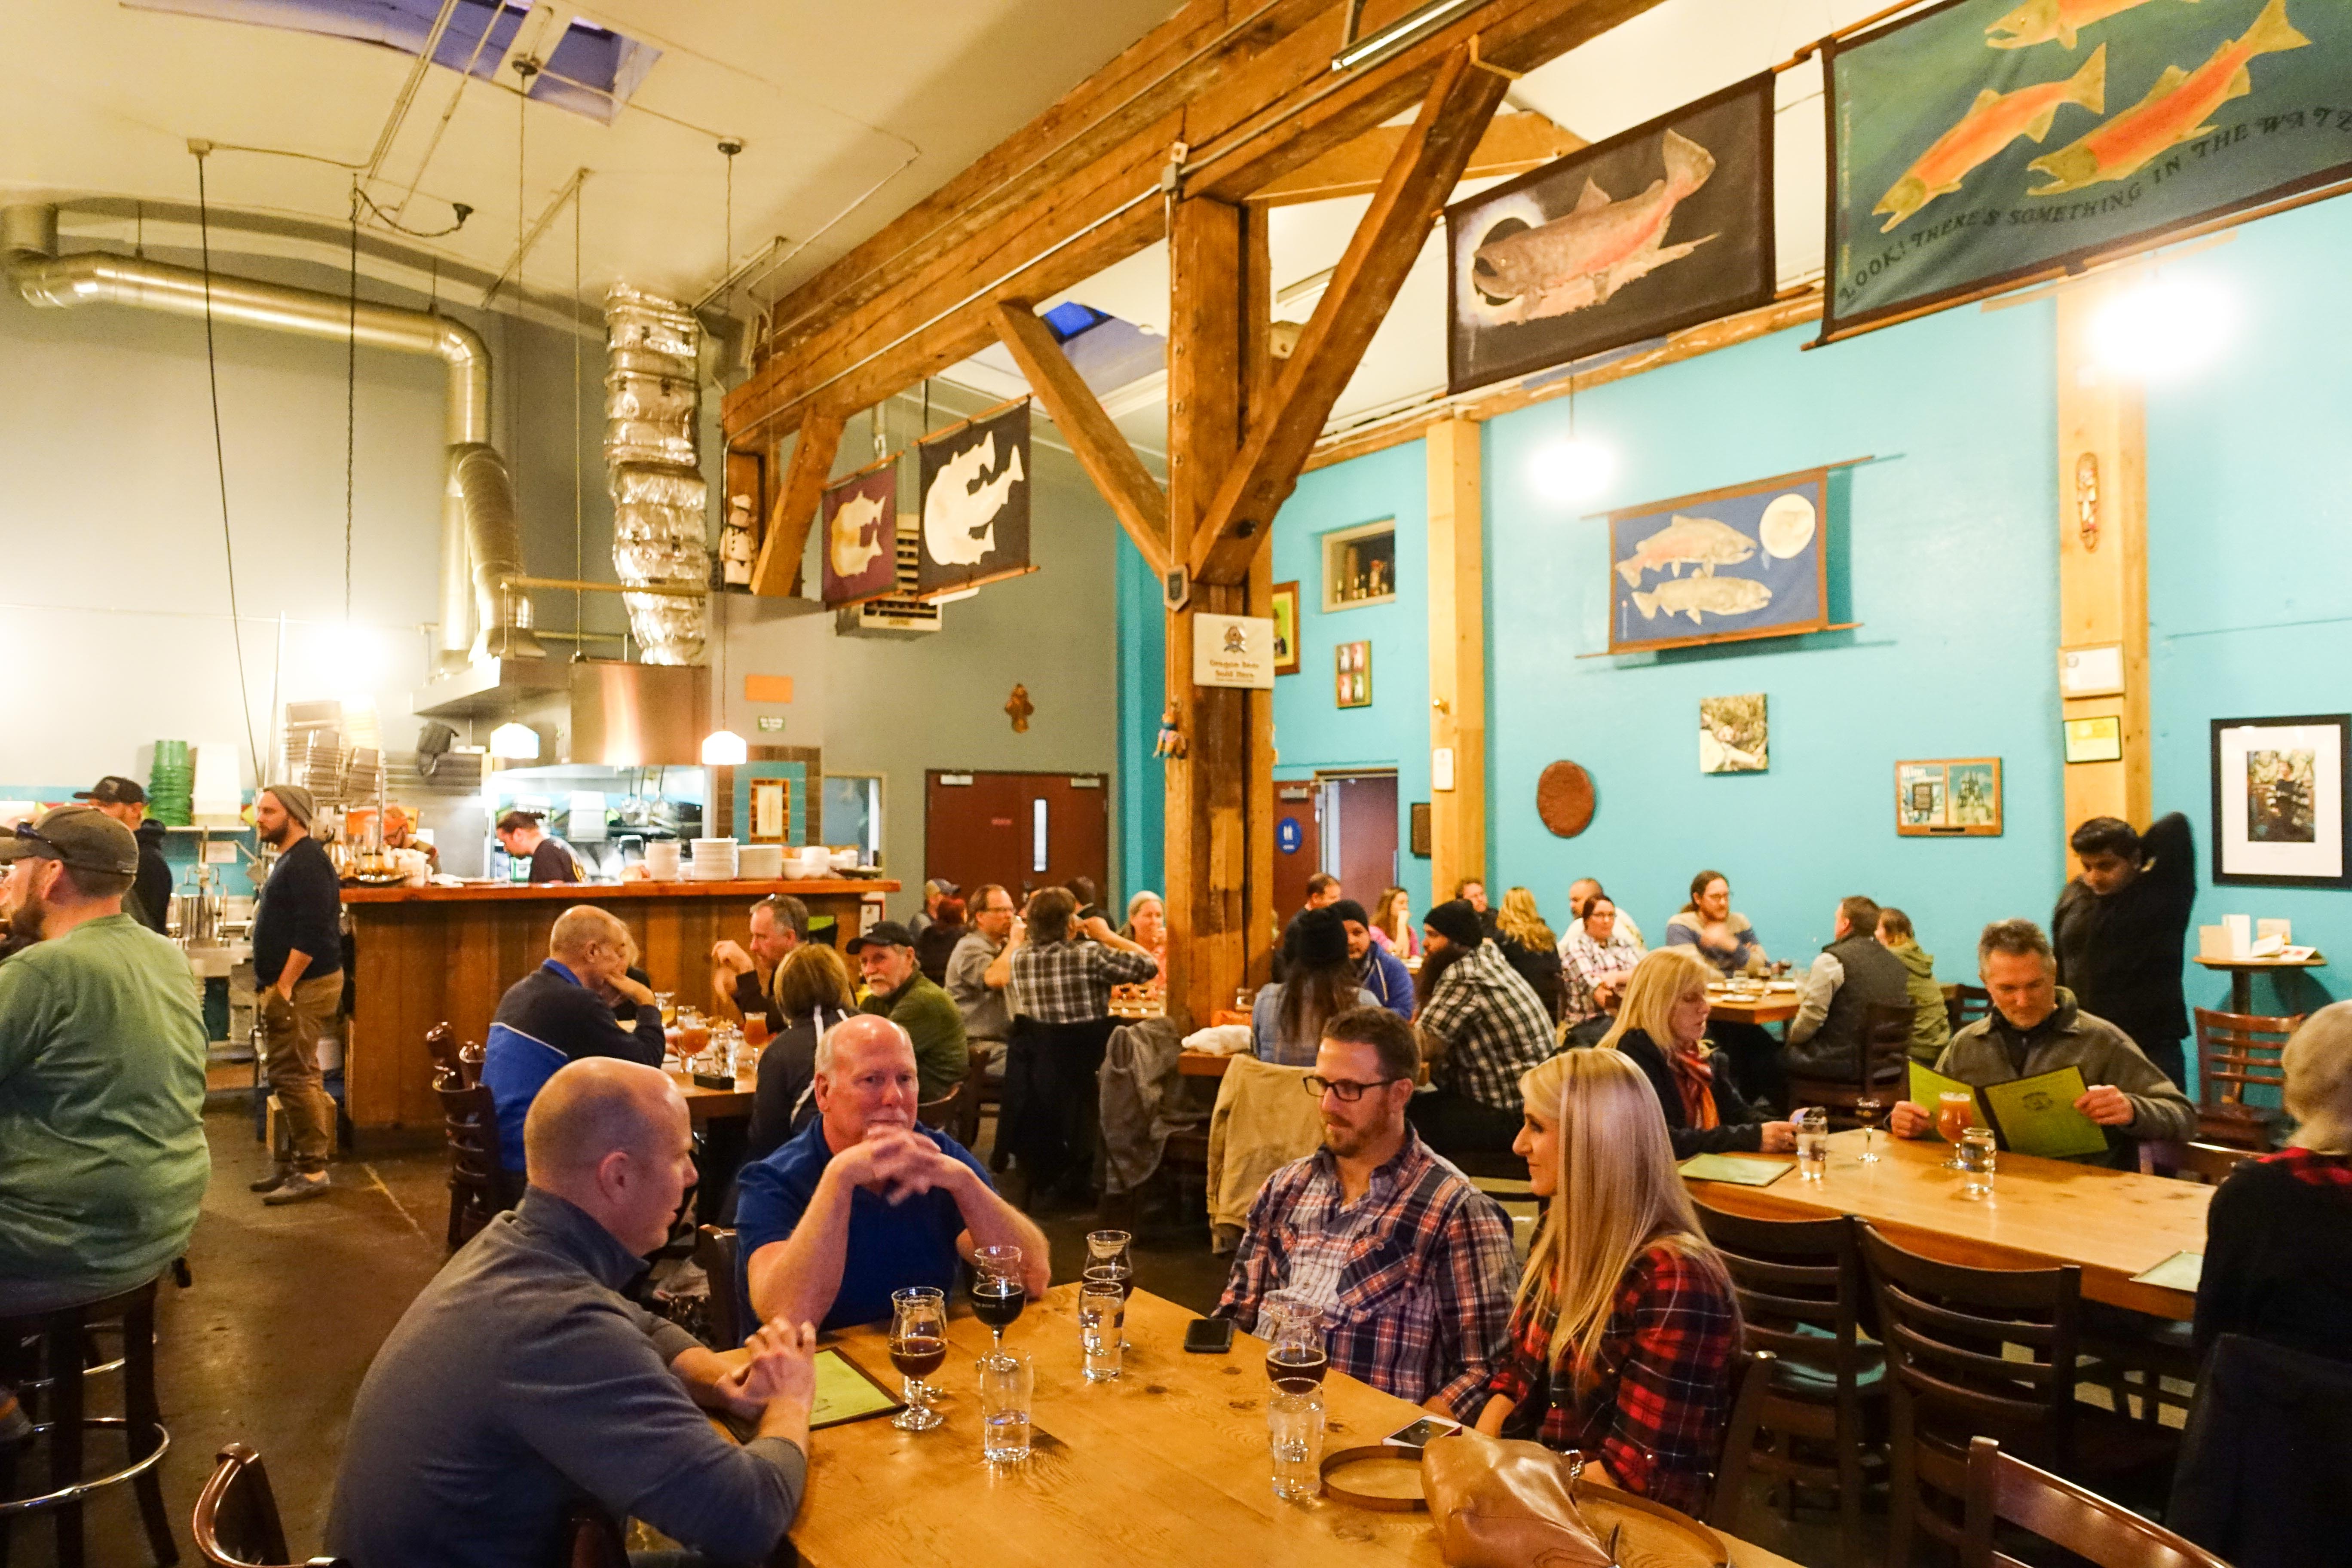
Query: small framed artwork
point(1286, 629)
point(2279, 801)
point(2099, 740)
point(1353, 674)
point(772, 811)
point(1955, 797)
point(1734, 736)
point(1418, 832)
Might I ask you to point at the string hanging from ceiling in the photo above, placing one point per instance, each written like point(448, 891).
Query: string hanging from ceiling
point(220, 464)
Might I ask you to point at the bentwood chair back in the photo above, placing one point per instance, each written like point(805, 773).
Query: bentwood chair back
point(715, 1251)
point(592, 1537)
point(1802, 1301)
point(441, 1044)
point(236, 1523)
point(1881, 1065)
point(1751, 1383)
point(469, 1122)
point(2235, 1052)
point(1966, 1004)
point(2005, 1490)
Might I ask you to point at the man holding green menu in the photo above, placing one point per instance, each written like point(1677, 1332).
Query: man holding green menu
point(2035, 1030)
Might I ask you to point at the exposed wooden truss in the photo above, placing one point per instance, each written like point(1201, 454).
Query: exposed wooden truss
point(1514, 144)
point(778, 567)
point(1133, 494)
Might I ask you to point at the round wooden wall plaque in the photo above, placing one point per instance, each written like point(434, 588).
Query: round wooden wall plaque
point(1564, 799)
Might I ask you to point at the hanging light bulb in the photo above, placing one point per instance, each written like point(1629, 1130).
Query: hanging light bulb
point(1573, 470)
point(724, 748)
point(2162, 327)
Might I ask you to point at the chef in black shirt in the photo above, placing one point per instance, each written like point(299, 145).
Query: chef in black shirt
point(552, 859)
point(2119, 928)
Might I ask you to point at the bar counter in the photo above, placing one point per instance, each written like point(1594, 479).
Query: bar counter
point(426, 954)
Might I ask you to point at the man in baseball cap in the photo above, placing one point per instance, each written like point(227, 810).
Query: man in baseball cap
point(149, 902)
point(898, 989)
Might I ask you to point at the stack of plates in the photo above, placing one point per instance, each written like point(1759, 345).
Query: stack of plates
point(172, 785)
point(662, 860)
point(760, 862)
point(714, 860)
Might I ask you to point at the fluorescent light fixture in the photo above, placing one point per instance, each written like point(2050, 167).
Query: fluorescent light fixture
point(724, 749)
point(2163, 328)
point(1572, 470)
point(1401, 34)
point(515, 743)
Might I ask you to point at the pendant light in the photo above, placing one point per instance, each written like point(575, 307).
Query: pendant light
point(723, 748)
point(1573, 470)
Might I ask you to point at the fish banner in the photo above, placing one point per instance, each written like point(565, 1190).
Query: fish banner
point(1660, 228)
point(974, 484)
point(1748, 561)
point(1985, 142)
point(860, 515)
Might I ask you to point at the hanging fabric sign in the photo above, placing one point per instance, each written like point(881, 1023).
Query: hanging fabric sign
point(860, 516)
point(975, 502)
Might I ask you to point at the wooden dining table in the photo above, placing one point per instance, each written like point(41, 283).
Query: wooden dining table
point(706, 1104)
point(2114, 1223)
point(1167, 1464)
point(1775, 1005)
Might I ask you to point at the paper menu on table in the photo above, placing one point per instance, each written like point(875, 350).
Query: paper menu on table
point(846, 1390)
point(2181, 1271)
point(1732, 1168)
point(2037, 1116)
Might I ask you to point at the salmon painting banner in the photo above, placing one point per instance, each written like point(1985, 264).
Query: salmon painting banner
point(1662, 228)
point(1984, 143)
point(1723, 566)
point(861, 535)
point(973, 480)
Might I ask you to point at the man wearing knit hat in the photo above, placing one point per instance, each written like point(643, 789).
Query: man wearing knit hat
point(298, 969)
point(1378, 970)
point(1481, 1025)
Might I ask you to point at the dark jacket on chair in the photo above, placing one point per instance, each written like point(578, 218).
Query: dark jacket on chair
point(1859, 973)
point(1741, 1126)
point(2264, 1457)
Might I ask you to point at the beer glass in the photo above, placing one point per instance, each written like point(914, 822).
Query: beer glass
point(918, 1343)
point(998, 1295)
point(1955, 1112)
point(1110, 1262)
point(1296, 1359)
point(1869, 1110)
point(1813, 1125)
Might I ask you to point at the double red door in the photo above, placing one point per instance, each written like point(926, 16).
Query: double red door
point(1025, 831)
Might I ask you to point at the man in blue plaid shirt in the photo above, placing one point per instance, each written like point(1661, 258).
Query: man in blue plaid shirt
point(1409, 1266)
point(1482, 1025)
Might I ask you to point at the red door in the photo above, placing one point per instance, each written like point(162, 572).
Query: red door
point(1297, 844)
point(1363, 833)
point(1024, 831)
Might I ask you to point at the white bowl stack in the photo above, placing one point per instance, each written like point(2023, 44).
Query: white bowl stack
point(760, 862)
point(664, 860)
point(714, 860)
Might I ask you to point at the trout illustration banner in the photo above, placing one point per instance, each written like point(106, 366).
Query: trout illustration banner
point(861, 535)
point(1748, 561)
point(1660, 228)
point(974, 485)
point(1985, 144)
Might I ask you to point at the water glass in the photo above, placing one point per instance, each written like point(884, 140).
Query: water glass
point(1813, 1125)
point(1007, 1382)
point(1294, 1432)
point(1099, 1314)
point(1975, 1152)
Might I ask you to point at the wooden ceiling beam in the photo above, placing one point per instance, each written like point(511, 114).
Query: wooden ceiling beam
point(1429, 162)
point(778, 565)
point(1136, 498)
point(1513, 144)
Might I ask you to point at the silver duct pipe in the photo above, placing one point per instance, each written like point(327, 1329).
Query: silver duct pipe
point(659, 496)
point(29, 239)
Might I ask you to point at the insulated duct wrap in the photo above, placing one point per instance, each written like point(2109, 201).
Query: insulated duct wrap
point(659, 499)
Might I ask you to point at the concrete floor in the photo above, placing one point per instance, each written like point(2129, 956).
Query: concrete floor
point(290, 1305)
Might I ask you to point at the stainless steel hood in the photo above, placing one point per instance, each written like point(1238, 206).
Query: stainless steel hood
point(595, 710)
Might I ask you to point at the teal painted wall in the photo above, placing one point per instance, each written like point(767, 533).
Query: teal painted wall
point(1142, 695)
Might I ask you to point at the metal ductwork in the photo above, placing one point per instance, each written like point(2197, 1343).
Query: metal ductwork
point(659, 499)
point(478, 521)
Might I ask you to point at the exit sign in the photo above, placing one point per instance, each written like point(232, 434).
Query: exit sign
point(772, 723)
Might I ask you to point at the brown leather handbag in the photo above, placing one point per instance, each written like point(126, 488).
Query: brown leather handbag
point(1499, 1503)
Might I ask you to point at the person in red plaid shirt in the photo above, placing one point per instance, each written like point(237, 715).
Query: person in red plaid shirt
point(1408, 1264)
point(1626, 1332)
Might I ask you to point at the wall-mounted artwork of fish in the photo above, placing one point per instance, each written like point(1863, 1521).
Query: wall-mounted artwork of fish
point(2058, 21)
point(1992, 123)
point(974, 490)
point(1748, 561)
point(1599, 247)
point(859, 520)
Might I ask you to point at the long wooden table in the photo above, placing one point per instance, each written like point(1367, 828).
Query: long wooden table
point(2116, 1224)
point(1165, 1465)
point(1776, 1005)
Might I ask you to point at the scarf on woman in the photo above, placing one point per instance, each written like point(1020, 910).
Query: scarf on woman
point(1696, 1080)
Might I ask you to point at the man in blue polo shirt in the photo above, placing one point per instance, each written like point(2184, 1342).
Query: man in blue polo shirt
point(567, 1008)
point(867, 1200)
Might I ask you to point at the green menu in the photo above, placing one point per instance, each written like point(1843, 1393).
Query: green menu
point(846, 1391)
point(2029, 1115)
point(1732, 1168)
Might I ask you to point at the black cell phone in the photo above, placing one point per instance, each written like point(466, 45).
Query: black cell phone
point(1210, 1336)
point(1422, 1433)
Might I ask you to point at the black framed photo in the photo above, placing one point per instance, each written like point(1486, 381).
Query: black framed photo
point(2279, 801)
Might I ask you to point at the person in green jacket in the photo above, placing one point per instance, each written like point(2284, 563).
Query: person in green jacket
point(1931, 1024)
point(103, 1163)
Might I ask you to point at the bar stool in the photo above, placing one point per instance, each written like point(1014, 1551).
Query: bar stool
point(63, 1336)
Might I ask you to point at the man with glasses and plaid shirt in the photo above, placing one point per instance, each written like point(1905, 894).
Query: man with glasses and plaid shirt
point(1408, 1265)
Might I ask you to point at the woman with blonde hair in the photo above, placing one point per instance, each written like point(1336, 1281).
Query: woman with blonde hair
point(1661, 1029)
point(2278, 1238)
point(1625, 1332)
point(812, 994)
point(1392, 925)
point(1529, 945)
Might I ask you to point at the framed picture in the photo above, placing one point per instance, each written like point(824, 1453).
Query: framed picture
point(1956, 797)
point(1417, 832)
point(1286, 629)
point(772, 811)
point(2279, 801)
point(1734, 736)
point(2099, 740)
point(1721, 566)
point(1353, 673)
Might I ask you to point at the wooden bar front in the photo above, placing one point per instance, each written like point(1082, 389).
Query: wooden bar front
point(426, 954)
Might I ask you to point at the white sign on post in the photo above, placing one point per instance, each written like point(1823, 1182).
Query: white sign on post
point(1233, 650)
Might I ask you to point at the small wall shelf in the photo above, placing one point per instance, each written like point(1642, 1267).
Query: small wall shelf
point(1360, 566)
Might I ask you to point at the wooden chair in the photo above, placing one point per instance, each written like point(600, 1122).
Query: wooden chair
point(478, 1183)
point(441, 1043)
point(1881, 1065)
point(2005, 1490)
point(969, 1097)
point(469, 1061)
point(236, 1523)
point(64, 1340)
point(1964, 1004)
point(2236, 1051)
point(1802, 1297)
point(714, 1250)
point(1984, 1352)
point(592, 1537)
point(2192, 1162)
point(1751, 1385)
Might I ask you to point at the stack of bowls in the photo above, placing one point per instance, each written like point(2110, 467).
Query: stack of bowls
point(714, 860)
point(663, 861)
point(760, 862)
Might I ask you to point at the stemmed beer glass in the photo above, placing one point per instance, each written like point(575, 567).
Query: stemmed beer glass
point(998, 1295)
point(919, 1344)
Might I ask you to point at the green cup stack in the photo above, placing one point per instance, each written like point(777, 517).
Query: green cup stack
point(172, 785)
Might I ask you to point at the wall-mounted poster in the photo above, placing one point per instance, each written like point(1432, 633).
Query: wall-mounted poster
point(2279, 800)
point(974, 490)
point(1286, 629)
point(1734, 735)
point(1958, 797)
point(1352, 674)
point(1233, 650)
point(1982, 143)
point(860, 518)
point(2098, 739)
point(1721, 566)
point(1661, 227)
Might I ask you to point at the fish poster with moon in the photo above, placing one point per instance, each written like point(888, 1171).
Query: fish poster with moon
point(1660, 228)
point(1984, 143)
point(974, 485)
point(860, 515)
point(1748, 561)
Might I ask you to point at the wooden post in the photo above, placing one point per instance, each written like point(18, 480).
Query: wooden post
point(1457, 659)
point(2102, 556)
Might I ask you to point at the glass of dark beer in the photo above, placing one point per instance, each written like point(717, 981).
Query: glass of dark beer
point(997, 1293)
point(919, 1344)
point(1294, 1357)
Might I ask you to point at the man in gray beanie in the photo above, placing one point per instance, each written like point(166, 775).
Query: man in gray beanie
point(298, 970)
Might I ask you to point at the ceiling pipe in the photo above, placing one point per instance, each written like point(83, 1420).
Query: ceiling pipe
point(481, 545)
